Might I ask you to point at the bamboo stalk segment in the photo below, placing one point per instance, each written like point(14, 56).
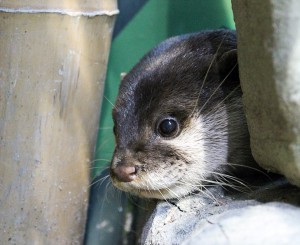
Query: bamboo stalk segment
point(108, 7)
point(52, 70)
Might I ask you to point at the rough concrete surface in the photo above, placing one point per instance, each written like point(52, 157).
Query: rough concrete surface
point(268, 54)
point(267, 215)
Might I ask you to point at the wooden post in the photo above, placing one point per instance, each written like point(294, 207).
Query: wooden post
point(53, 57)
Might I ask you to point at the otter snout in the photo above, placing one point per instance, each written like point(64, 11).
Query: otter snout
point(124, 173)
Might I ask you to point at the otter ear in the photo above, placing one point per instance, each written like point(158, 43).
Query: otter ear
point(228, 66)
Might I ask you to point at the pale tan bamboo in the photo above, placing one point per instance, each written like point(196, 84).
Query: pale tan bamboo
point(53, 57)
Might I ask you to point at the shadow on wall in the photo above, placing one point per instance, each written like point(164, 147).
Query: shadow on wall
point(128, 9)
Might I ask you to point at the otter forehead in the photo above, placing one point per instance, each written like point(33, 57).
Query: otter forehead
point(159, 95)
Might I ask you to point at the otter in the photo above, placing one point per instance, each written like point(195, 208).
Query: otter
point(178, 119)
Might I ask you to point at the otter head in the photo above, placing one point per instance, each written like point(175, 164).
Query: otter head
point(171, 116)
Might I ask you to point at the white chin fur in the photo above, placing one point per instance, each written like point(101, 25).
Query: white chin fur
point(170, 192)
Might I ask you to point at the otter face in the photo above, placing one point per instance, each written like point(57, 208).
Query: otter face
point(158, 166)
point(172, 117)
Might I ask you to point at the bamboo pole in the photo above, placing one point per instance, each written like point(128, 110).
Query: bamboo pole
point(52, 69)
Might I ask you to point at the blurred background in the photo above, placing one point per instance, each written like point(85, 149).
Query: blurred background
point(114, 218)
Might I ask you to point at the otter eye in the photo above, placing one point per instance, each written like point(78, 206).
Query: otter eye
point(168, 127)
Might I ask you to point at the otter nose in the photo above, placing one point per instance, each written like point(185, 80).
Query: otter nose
point(125, 173)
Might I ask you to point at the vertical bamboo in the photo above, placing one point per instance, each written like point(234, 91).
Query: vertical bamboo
point(53, 57)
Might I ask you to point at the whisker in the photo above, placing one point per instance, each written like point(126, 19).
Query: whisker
point(109, 185)
point(103, 144)
point(206, 74)
point(147, 186)
point(248, 167)
point(211, 195)
point(217, 88)
point(227, 96)
point(105, 128)
point(100, 159)
point(109, 101)
point(96, 171)
point(169, 190)
point(102, 168)
point(157, 190)
point(224, 182)
point(198, 187)
point(133, 200)
point(219, 182)
point(101, 180)
point(107, 189)
point(233, 178)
